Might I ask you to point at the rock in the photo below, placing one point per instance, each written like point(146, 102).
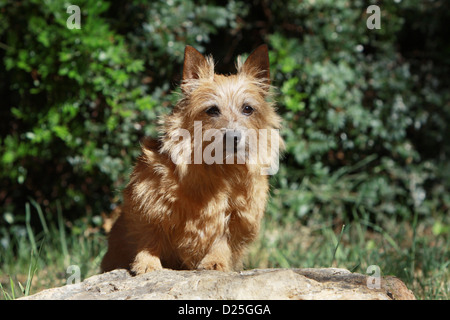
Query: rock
point(264, 284)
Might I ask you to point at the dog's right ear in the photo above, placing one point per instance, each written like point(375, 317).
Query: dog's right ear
point(194, 61)
point(195, 67)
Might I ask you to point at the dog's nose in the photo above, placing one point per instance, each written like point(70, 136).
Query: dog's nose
point(231, 138)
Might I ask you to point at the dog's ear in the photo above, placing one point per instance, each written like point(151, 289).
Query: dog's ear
point(257, 64)
point(193, 62)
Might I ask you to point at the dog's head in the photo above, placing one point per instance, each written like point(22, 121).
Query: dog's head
point(229, 118)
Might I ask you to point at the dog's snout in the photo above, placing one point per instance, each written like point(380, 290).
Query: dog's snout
point(232, 138)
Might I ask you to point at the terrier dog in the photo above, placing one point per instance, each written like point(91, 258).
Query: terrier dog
point(194, 202)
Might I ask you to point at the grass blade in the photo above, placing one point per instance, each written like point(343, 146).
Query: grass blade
point(6, 295)
point(41, 215)
point(13, 289)
point(337, 245)
point(28, 227)
point(62, 232)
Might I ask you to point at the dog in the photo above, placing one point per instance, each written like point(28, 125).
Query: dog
point(197, 194)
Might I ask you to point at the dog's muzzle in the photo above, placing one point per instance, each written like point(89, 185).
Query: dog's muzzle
point(231, 140)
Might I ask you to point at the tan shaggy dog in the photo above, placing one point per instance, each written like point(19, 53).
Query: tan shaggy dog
point(183, 211)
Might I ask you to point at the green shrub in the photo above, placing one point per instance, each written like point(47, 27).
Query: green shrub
point(77, 102)
point(355, 115)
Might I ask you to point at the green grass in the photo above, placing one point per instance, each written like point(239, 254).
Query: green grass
point(417, 252)
point(35, 261)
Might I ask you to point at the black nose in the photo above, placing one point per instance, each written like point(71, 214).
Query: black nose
point(231, 139)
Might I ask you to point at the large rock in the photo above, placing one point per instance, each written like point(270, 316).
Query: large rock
point(308, 284)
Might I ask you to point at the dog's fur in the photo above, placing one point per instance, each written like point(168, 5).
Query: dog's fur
point(197, 216)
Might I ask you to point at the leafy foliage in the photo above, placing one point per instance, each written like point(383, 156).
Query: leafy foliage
point(354, 114)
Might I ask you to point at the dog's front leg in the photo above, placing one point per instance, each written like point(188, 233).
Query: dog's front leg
point(145, 261)
point(218, 257)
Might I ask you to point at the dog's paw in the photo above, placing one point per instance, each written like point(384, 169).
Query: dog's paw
point(140, 268)
point(213, 265)
point(145, 262)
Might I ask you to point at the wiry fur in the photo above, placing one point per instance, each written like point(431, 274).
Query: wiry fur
point(196, 216)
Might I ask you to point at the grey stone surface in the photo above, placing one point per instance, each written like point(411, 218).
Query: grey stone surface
point(267, 284)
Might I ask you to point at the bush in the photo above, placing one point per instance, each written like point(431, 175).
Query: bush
point(354, 113)
point(78, 101)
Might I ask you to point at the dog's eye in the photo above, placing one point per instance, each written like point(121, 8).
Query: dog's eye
point(247, 110)
point(213, 111)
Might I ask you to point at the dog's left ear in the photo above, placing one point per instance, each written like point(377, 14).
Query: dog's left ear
point(195, 67)
point(257, 64)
